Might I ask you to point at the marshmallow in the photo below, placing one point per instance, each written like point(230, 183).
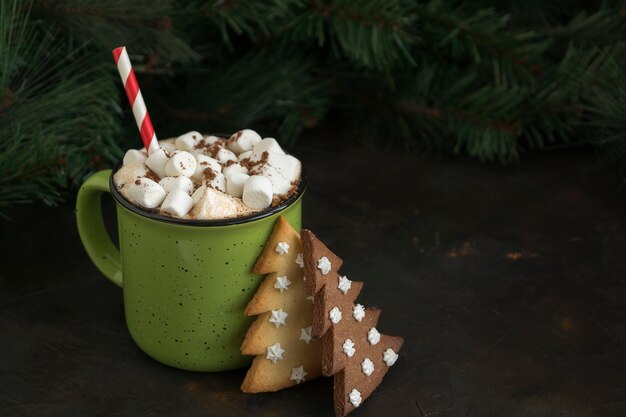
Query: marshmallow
point(224, 155)
point(234, 169)
point(146, 193)
point(177, 203)
point(188, 141)
point(282, 171)
point(197, 195)
point(126, 175)
point(243, 140)
point(257, 192)
point(157, 161)
point(266, 145)
point(133, 156)
point(218, 181)
point(235, 184)
point(213, 204)
point(176, 183)
point(168, 145)
point(205, 162)
point(210, 140)
point(181, 163)
point(244, 155)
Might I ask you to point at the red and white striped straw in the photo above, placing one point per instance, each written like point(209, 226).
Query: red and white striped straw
point(136, 99)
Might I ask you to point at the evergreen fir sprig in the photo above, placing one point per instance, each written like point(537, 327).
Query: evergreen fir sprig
point(605, 101)
point(145, 26)
point(489, 78)
point(372, 33)
point(483, 122)
point(59, 94)
point(39, 147)
point(481, 38)
point(254, 19)
point(284, 96)
point(585, 27)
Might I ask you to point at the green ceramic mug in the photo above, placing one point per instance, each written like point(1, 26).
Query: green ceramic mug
point(185, 283)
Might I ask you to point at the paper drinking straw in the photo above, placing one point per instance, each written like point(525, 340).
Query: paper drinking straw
point(135, 99)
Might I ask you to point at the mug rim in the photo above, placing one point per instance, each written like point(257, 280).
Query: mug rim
point(119, 198)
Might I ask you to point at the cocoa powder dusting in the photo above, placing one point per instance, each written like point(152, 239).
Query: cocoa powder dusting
point(212, 149)
point(209, 174)
point(279, 199)
point(246, 163)
point(235, 137)
point(252, 166)
point(151, 175)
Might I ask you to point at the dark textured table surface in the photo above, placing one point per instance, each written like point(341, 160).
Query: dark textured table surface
point(508, 284)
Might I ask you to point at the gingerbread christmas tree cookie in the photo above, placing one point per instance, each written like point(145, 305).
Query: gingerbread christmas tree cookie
point(281, 336)
point(354, 351)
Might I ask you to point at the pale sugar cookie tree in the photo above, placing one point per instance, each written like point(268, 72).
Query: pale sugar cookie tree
point(281, 339)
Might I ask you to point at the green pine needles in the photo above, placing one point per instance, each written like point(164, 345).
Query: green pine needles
point(60, 105)
point(488, 78)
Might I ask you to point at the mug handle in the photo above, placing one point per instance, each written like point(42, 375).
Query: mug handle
point(93, 234)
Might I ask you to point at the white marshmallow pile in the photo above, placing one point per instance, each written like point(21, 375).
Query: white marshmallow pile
point(206, 177)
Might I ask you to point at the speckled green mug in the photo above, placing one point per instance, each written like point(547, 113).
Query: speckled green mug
point(185, 283)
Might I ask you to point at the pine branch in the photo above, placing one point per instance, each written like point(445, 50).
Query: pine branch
point(480, 37)
point(603, 27)
point(146, 27)
point(254, 19)
point(488, 78)
point(371, 34)
point(284, 96)
point(605, 101)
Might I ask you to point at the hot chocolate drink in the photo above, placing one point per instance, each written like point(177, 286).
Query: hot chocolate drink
point(203, 177)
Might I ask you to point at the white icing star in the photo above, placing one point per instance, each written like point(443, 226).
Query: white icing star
point(310, 298)
point(373, 336)
point(348, 348)
point(305, 334)
point(323, 264)
point(282, 248)
point(355, 397)
point(298, 374)
point(358, 312)
point(344, 284)
point(367, 366)
point(275, 352)
point(390, 357)
point(335, 315)
point(282, 283)
point(278, 317)
point(300, 261)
